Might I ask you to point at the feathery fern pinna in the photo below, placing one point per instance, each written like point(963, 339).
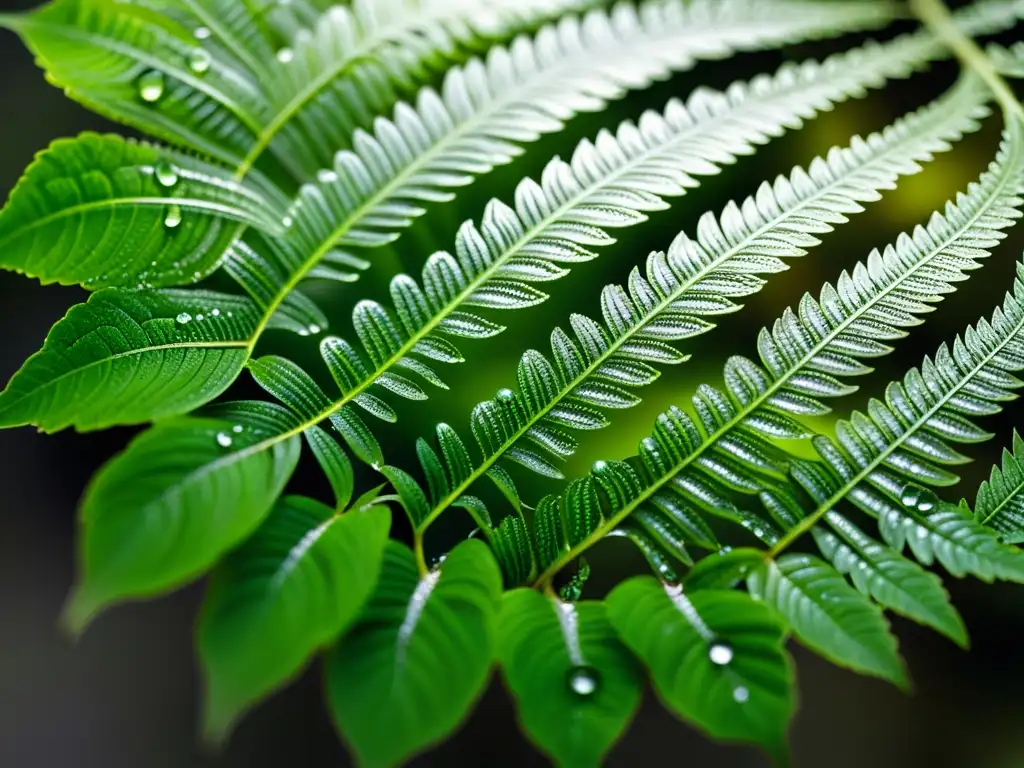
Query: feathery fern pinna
point(297, 143)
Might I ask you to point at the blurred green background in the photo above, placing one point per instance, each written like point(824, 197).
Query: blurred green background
point(126, 694)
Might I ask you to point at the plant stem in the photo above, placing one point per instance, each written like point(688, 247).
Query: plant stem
point(936, 17)
point(421, 560)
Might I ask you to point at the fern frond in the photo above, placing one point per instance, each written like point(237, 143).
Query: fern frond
point(486, 110)
point(1000, 502)
point(596, 365)
point(882, 461)
point(373, 43)
point(689, 465)
point(608, 183)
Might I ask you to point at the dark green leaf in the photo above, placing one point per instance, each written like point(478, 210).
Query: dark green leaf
point(408, 673)
point(576, 685)
point(292, 588)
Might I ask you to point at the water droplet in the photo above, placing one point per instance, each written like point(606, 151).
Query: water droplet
point(741, 694)
point(151, 86)
point(197, 276)
point(202, 33)
point(224, 440)
point(314, 329)
point(287, 222)
point(758, 532)
point(184, 318)
point(285, 55)
point(600, 466)
point(918, 498)
point(200, 318)
point(583, 680)
point(199, 61)
point(303, 331)
point(166, 174)
point(506, 395)
point(326, 176)
point(215, 313)
point(173, 217)
point(237, 429)
point(720, 654)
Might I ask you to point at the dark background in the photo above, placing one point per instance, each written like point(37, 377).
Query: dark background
point(126, 694)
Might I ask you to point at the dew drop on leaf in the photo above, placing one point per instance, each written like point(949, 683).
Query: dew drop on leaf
point(215, 313)
point(583, 680)
point(202, 33)
point(173, 217)
point(918, 498)
point(720, 654)
point(151, 86)
point(505, 396)
point(285, 55)
point(237, 429)
point(224, 440)
point(184, 318)
point(199, 61)
point(600, 466)
point(326, 176)
point(166, 174)
point(741, 694)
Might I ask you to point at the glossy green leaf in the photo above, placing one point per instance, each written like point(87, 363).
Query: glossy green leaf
point(575, 684)
point(127, 357)
point(409, 671)
point(1000, 502)
point(292, 588)
point(716, 658)
point(828, 615)
point(182, 495)
point(103, 211)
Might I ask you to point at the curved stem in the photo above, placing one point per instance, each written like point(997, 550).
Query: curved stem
point(936, 17)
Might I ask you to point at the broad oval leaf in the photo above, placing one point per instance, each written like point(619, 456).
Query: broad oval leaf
point(292, 588)
point(183, 494)
point(576, 685)
point(829, 615)
point(407, 674)
point(127, 357)
point(716, 657)
point(105, 211)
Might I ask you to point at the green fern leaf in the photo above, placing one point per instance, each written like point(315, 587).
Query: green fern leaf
point(575, 684)
point(421, 653)
point(885, 576)
point(728, 447)
point(828, 615)
point(182, 495)
point(881, 460)
point(293, 587)
point(105, 211)
point(716, 658)
point(594, 367)
point(129, 357)
point(1000, 502)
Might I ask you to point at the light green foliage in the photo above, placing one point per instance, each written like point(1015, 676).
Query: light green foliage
point(301, 140)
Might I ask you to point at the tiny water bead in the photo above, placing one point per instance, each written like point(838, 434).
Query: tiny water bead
point(720, 654)
point(600, 467)
point(326, 176)
point(224, 440)
point(184, 318)
point(285, 55)
point(166, 174)
point(202, 33)
point(173, 218)
point(506, 396)
point(199, 61)
point(151, 86)
point(238, 429)
point(918, 498)
point(741, 694)
point(583, 680)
